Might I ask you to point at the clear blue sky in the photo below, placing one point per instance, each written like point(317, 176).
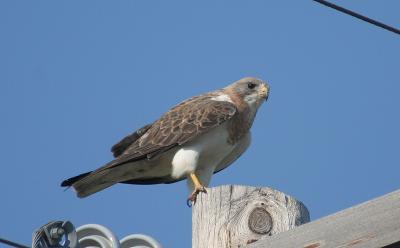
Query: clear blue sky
point(76, 76)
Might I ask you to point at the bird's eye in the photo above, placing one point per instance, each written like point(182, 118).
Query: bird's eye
point(251, 85)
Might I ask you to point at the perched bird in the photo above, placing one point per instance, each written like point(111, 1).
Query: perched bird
point(195, 139)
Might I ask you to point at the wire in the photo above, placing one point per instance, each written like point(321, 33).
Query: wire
point(356, 15)
point(10, 243)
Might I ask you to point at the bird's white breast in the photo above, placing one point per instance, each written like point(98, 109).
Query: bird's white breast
point(204, 152)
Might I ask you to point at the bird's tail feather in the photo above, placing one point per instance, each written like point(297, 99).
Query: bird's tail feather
point(68, 182)
point(92, 182)
point(89, 183)
point(83, 190)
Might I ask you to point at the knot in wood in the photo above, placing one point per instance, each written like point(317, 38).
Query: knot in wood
point(260, 221)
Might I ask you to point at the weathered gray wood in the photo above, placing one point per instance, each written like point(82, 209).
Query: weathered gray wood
point(373, 224)
point(233, 216)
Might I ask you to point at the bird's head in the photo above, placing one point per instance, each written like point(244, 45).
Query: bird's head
point(252, 90)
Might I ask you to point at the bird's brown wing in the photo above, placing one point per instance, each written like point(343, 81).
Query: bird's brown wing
point(181, 124)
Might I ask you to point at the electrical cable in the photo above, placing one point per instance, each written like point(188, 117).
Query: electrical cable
point(13, 244)
point(356, 15)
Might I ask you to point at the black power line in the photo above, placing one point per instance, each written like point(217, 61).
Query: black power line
point(10, 243)
point(356, 15)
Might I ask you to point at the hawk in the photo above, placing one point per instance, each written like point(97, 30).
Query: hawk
point(195, 139)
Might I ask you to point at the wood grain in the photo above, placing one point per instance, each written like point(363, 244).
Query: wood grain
point(234, 216)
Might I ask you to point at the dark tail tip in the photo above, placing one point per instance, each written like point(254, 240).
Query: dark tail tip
point(72, 180)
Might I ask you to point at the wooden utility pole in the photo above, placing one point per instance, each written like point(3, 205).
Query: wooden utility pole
point(234, 216)
point(372, 224)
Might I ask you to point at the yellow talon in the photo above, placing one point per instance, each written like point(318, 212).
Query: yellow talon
point(198, 187)
point(195, 181)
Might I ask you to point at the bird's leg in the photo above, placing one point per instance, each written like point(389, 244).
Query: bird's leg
point(198, 187)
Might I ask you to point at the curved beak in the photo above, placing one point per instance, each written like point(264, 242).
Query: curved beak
point(264, 91)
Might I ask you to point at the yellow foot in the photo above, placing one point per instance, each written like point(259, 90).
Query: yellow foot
point(193, 196)
point(197, 189)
